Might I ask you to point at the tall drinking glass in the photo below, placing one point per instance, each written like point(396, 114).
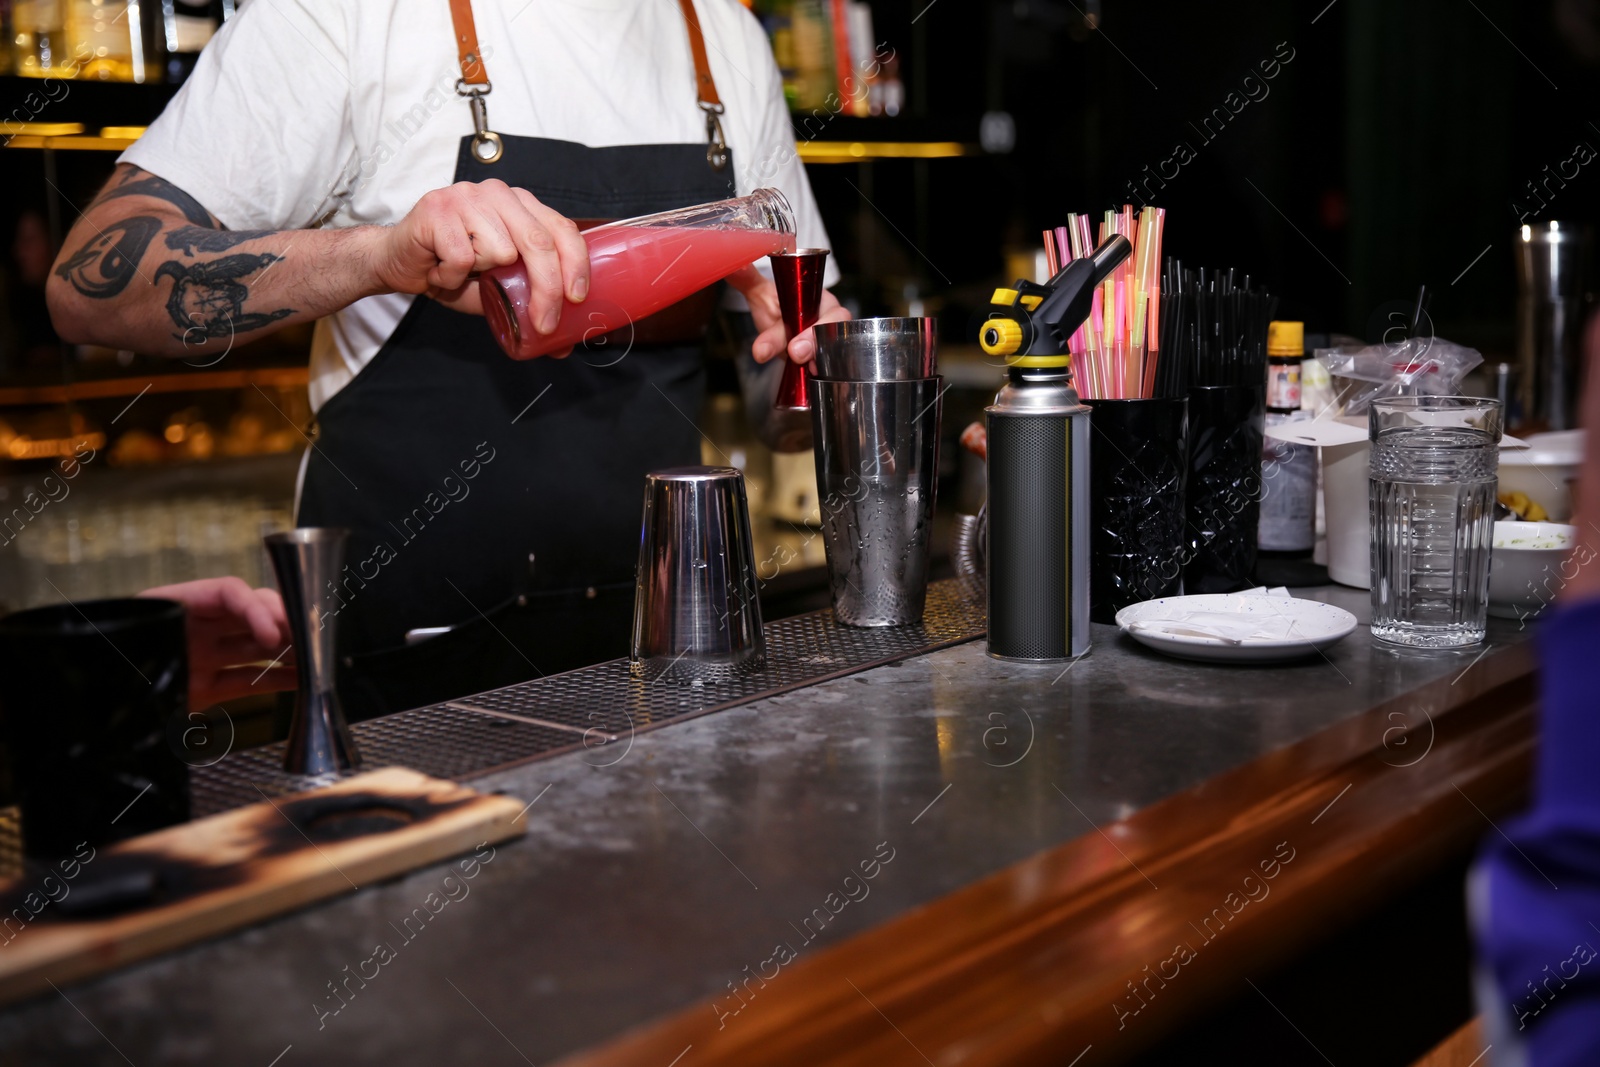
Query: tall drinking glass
point(1432, 486)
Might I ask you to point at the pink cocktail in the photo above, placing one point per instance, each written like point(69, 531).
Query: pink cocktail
point(639, 266)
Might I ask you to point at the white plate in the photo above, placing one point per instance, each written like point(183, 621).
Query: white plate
point(1259, 629)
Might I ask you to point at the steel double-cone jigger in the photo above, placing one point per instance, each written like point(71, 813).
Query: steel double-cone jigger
point(307, 561)
point(798, 276)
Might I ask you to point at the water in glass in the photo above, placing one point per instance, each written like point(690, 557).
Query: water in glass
point(1434, 465)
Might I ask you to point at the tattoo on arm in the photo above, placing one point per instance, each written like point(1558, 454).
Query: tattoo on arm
point(192, 239)
point(106, 263)
point(161, 189)
point(208, 299)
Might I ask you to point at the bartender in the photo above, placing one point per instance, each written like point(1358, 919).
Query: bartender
point(357, 163)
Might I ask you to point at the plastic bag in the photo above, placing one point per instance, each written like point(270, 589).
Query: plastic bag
point(1419, 366)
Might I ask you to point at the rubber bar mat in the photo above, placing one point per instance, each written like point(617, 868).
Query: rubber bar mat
point(601, 708)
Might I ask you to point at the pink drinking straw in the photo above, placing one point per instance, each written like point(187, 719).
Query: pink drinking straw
point(1098, 336)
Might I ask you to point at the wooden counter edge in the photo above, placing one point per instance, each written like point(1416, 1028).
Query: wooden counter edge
point(1099, 947)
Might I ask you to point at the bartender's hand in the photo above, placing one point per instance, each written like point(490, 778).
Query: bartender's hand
point(456, 232)
point(232, 631)
point(762, 297)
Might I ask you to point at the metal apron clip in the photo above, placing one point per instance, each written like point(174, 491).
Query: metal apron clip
point(486, 146)
point(716, 144)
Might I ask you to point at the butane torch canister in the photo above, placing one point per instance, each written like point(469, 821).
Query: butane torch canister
point(1038, 511)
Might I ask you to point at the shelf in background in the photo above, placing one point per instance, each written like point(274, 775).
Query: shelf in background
point(859, 151)
point(71, 136)
point(275, 377)
point(68, 136)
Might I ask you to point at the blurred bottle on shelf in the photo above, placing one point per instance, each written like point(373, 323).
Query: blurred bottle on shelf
point(857, 87)
point(813, 49)
point(778, 18)
point(111, 40)
point(107, 40)
point(825, 52)
point(184, 28)
point(887, 95)
point(38, 37)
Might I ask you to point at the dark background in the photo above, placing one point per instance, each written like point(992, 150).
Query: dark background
point(1388, 153)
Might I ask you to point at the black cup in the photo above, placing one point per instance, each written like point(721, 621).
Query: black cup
point(87, 693)
point(1224, 494)
point(1138, 467)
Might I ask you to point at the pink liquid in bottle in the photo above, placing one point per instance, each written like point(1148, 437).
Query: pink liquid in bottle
point(634, 271)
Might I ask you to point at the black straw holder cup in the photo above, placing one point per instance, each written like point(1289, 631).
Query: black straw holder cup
point(93, 696)
point(1138, 470)
point(1224, 491)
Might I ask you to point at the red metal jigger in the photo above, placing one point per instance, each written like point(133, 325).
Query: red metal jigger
point(798, 276)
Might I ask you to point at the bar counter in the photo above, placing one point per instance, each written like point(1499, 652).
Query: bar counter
point(948, 859)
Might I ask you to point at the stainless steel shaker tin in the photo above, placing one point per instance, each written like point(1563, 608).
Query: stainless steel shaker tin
point(696, 614)
point(877, 350)
point(877, 473)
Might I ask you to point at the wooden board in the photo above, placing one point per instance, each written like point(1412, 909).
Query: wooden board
point(240, 867)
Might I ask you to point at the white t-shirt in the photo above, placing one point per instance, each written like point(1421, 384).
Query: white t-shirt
point(299, 108)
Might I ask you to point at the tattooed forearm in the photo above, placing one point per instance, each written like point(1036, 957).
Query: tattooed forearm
point(192, 239)
point(208, 299)
point(140, 184)
point(107, 262)
point(196, 279)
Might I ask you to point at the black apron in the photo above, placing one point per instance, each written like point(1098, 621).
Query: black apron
point(496, 497)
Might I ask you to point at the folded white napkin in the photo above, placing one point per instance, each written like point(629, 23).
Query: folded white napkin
point(1234, 628)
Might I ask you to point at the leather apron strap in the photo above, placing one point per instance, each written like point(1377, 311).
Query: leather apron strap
point(472, 69)
point(475, 85)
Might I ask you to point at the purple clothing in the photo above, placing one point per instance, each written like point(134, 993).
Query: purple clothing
point(1536, 890)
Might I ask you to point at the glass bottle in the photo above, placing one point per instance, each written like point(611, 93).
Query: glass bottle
point(186, 27)
point(639, 266)
point(38, 39)
point(1288, 472)
point(105, 37)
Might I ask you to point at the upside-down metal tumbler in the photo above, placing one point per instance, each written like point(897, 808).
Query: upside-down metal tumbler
point(307, 562)
point(696, 615)
point(877, 449)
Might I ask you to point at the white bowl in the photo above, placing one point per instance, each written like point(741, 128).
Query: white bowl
point(1544, 470)
point(1526, 567)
